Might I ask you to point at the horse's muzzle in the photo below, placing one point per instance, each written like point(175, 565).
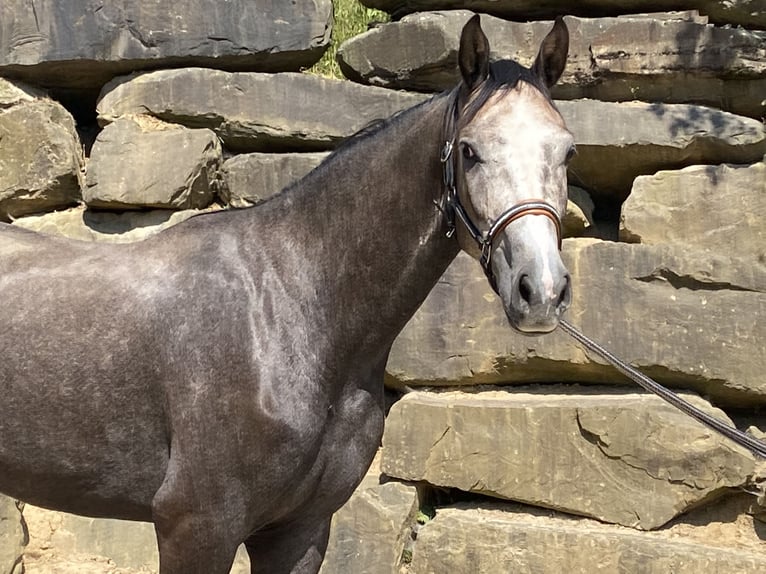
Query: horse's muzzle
point(538, 299)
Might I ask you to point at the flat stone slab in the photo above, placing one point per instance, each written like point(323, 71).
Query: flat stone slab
point(470, 538)
point(617, 142)
point(106, 226)
point(697, 323)
point(747, 13)
point(369, 533)
point(83, 44)
point(614, 59)
point(140, 162)
point(676, 207)
point(623, 458)
point(255, 112)
point(41, 160)
point(251, 178)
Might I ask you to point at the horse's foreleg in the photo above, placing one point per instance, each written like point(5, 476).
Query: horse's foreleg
point(194, 535)
point(297, 548)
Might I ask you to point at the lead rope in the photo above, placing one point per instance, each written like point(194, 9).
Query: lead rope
point(752, 444)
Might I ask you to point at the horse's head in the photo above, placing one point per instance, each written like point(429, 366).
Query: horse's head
point(505, 166)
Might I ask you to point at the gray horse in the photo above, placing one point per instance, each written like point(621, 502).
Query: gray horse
point(223, 379)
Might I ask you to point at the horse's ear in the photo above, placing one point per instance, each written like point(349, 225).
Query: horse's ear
point(474, 54)
point(552, 57)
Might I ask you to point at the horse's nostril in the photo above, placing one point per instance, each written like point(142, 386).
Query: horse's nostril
point(566, 293)
point(525, 289)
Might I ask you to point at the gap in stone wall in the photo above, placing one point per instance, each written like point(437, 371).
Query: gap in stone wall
point(82, 105)
point(606, 218)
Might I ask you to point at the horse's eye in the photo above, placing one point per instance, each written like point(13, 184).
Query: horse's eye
point(571, 152)
point(469, 153)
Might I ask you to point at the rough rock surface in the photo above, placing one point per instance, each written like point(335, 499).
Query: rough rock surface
point(623, 458)
point(253, 178)
point(494, 538)
point(105, 226)
point(83, 44)
point(748, 13)
point(12, 536)
point(675, 207)
point(139, 162)
point(40, 155)
point(63, 543)
point(369, 532)
point(12, 93)
point(689, 318)
point(635, 138)
point(255, 112)
point(613, 59)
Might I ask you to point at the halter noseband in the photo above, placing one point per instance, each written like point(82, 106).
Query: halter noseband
point(451, 206)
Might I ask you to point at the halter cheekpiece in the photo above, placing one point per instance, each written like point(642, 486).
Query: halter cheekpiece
point(452, 206)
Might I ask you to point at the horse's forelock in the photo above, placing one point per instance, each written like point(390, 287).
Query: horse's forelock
point(504, 76)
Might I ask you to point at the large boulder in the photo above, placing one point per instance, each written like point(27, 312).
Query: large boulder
point(491, 538)
point(721, 208)
point(689, 318)
point(615, 59)
point(369, 533)
point(255, 112)
point(617, 142)
point(620, 457)
point(83, 44)
point(41, 160)
point(747, 13)
point(140, 162)
point(251, 178)
point(12, 537)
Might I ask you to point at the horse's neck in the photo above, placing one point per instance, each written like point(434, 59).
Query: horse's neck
point(371, 227)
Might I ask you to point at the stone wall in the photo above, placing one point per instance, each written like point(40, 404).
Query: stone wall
point(501, 452)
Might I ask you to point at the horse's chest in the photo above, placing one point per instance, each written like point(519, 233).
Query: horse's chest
point(351, 438)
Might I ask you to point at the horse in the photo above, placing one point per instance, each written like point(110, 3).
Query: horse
point(224, 379)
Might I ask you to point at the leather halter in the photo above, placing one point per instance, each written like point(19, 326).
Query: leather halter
point(451, 206)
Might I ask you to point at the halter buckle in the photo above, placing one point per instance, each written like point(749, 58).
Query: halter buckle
point(446, 151)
